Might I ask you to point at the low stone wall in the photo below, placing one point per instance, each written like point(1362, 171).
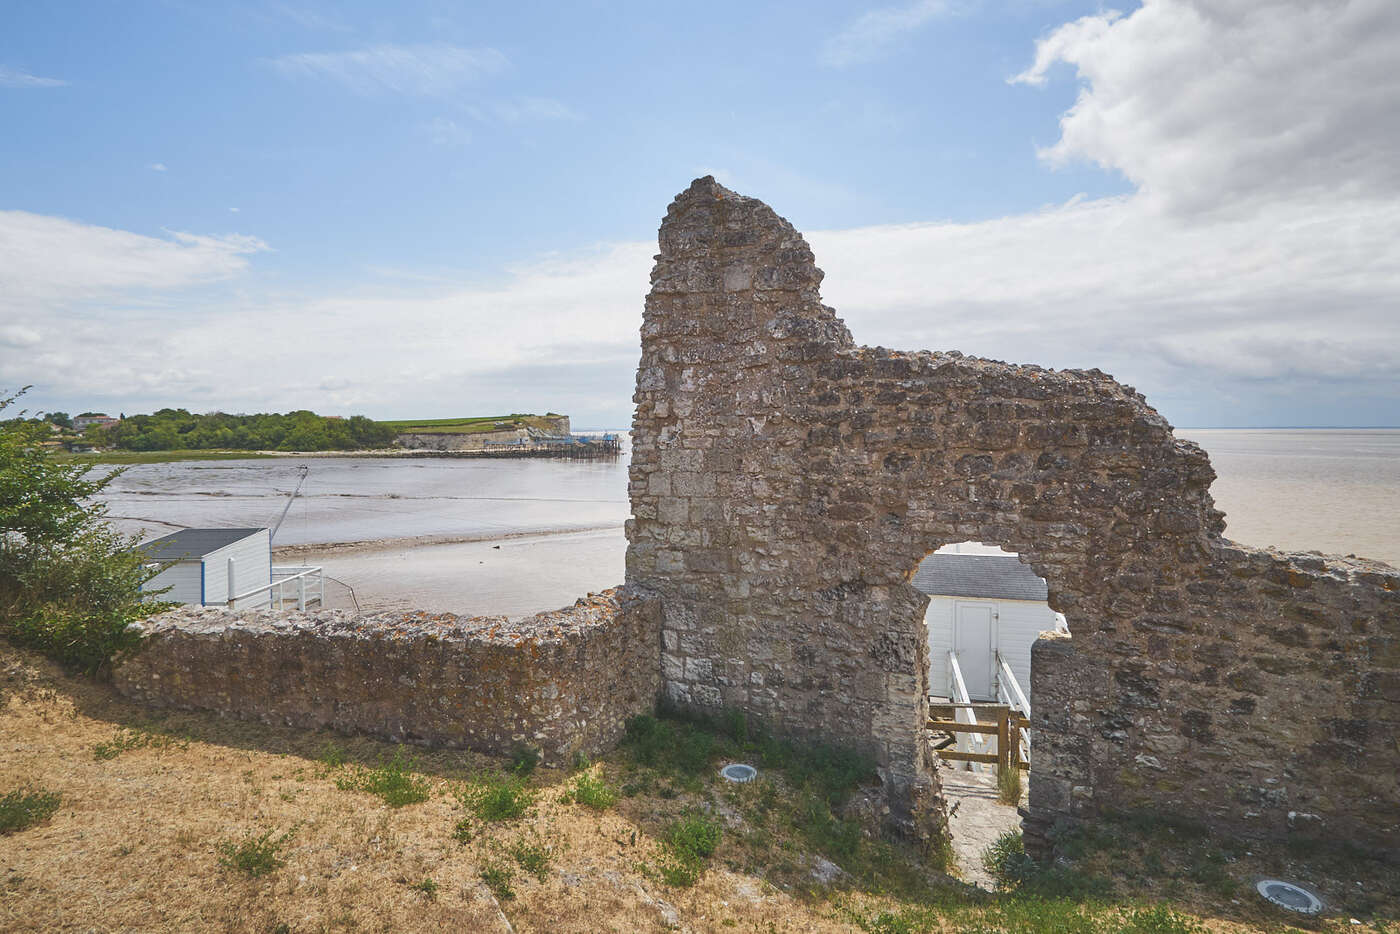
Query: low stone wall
point(561, 682)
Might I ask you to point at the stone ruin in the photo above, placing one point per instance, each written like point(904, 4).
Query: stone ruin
point(785, 484)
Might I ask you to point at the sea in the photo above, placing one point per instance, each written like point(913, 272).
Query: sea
point(512, 537)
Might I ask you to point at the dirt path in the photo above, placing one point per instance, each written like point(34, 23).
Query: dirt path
point(977, 819)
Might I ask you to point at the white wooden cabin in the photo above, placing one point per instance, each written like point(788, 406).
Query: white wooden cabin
point(207, 566)
point(982, 606)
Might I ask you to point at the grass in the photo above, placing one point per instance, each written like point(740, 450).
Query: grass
point(132, 846)
point(394, 781)
point(492, 797)
point(254, 855)
point(25, 807)
point(498, 879)
point(592, 791)
point(1009, 786)
point(467, 426)
point(129, 738)
point(427, 887)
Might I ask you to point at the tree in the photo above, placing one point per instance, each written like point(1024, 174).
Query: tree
point(61, 419)
point(70, 585)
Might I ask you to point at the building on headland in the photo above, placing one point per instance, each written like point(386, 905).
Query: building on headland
point(84, 422)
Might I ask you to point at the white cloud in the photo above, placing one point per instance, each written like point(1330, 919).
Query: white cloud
point(234, 210)
point(873, 32)
point(17, 335)
point(14, 78)
point(53, 266)
point(447, 132)
point(429, 69)
point(1221, 104)
point(157, 167)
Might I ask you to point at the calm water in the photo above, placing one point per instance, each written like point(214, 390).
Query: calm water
point(520, 536)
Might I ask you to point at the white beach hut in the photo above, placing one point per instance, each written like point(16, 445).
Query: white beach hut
point(984, 608)
point(208, 566)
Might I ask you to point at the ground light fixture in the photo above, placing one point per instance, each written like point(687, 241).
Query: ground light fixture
point(738, 772)
point(1289, 896)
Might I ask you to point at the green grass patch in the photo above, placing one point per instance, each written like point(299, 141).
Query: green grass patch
point(427, 887)
point(468, 426)
point(591, 791)
point(254, 855)
point(499, 879)
point(532, 856)
point(154, 457)
point(25, 807)
point(491, 797)
point(394, 781)
point(125, 740)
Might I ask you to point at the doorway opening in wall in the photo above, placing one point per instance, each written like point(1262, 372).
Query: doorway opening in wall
point(986, 607)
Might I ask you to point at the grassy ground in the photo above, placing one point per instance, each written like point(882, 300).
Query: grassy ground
point(188, 822)
point(468, 426)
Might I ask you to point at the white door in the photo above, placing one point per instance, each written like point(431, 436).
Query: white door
point(974, 631)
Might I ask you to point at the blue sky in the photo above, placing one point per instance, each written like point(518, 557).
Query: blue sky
point(443, 209)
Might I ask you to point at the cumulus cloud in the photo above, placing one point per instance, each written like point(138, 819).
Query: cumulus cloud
point(429, 69)
point(157, 167)
point(14, 78)
point(53, 264)
point(1222, 104)
point(868, 37)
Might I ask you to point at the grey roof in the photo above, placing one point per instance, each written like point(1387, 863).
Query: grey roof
point(193, 543)
point(991, 577)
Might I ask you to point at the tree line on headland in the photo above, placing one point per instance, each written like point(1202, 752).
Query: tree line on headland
point(181, 430)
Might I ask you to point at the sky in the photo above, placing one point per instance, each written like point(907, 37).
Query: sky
point(432, 209)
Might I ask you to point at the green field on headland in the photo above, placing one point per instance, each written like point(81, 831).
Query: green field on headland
point(471, 425)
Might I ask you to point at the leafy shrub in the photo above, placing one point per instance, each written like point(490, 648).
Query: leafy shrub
point(495, 798)
point(394, 781)
point(254, 855)
point(694, 835)
point(1006, 861)
point(25, 807)
point(70, 586)
point(593, 792)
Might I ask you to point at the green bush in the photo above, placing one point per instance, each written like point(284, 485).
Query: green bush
point(70, 586)
point(498, 879)
point(524, 760)
point(26, 807)
point(533, 857)
point(1006, 861)
point(694, 835)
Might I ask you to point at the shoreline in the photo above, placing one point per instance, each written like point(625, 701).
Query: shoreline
point(370, 545)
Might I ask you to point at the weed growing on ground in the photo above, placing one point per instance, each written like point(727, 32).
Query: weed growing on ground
point(690, 842)
point(127, 739)
point(498, 879)
point(496, 798)
point(591, 791)
point(428, 887)
point(26, 807)
point(524, 760)
point(1009, 786)
point(254, 855)
point(394, 781)
point(332, 756)
point(532, 856)
point(462, 831)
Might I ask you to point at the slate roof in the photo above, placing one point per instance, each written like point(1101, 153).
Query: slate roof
point(188, 544)
point(991, 577)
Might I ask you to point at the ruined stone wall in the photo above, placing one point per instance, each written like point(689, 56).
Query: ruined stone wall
point(785, 484)
point(561, 682)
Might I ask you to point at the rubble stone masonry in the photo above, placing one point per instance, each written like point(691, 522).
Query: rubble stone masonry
point(786, 483)
point(560, 682)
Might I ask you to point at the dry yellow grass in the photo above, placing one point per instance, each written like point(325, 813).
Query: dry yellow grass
point(134, 845)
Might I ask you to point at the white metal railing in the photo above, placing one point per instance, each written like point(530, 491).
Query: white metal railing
point(1009, 692)
point(967, 742)
point(282, 579)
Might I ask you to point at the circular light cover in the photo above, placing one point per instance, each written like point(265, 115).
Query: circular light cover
point(738, 772)
point(1289, 896)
